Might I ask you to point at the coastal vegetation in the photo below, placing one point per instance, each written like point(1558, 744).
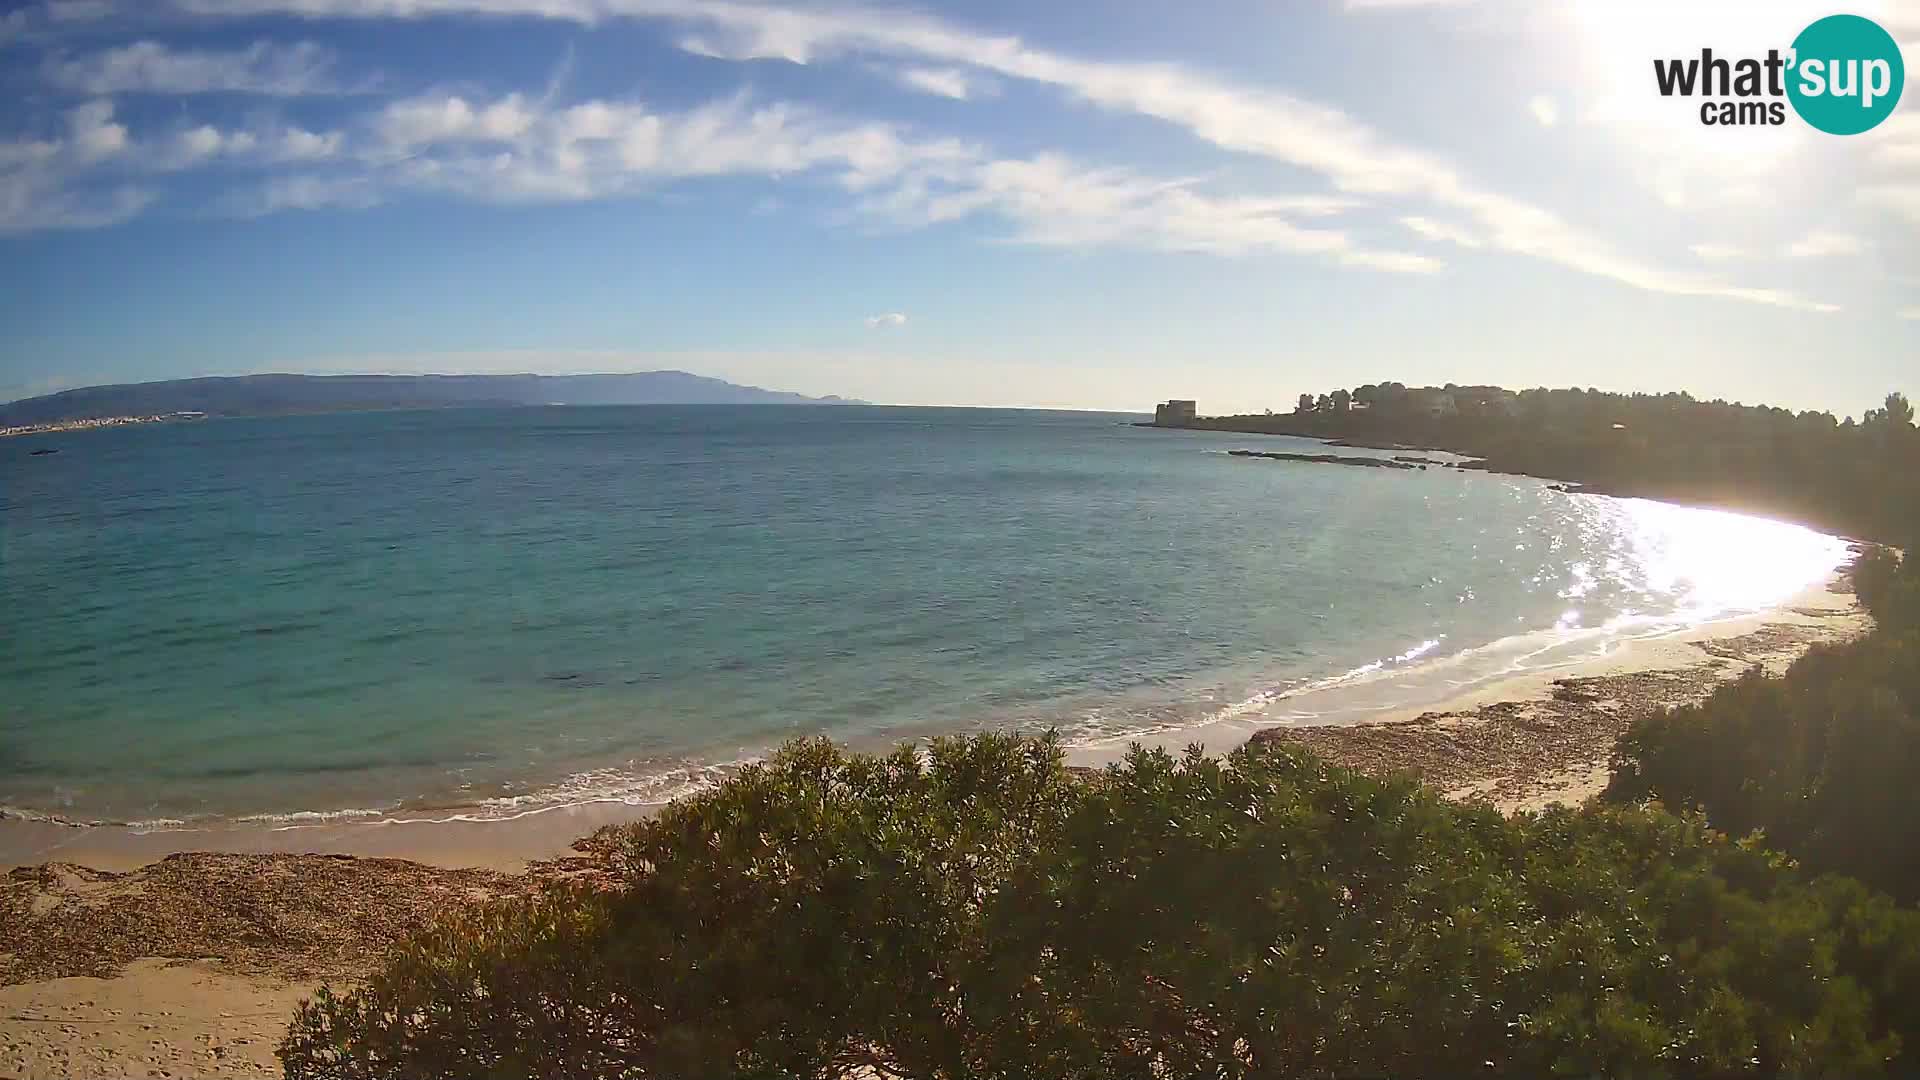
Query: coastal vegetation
point(976, 910)
point(1741, 904)
point(1829, 472)
point(1820, 761)
point(1817, 761)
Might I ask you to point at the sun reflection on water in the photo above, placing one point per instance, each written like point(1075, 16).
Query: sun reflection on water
point(1698, 564)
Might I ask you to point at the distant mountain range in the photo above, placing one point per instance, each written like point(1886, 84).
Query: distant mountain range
point(278, 395)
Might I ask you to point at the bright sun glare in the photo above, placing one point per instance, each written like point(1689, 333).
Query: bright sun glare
point(1618, 43)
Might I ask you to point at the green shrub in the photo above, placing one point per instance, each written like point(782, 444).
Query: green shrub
point(1820, 760)
point(975, 911)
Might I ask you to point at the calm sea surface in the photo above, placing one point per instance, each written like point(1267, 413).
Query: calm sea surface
point(501, 610)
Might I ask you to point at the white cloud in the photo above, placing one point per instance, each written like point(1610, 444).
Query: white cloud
point(1908, 313)
point(55, 182)
point(1902, 199)
point(93, 133)
point(517, 150)
point(296, 144)
point(886, 321)
point(1896, 142)
point(1544, 110)
point(1342, 151)
point(943, 82)
point(1053, 201)
point(1820, 244)
point(1717, 252)
point(1297, 132)
point(149, 67)
point(203, 144)
point(36, 175)
point(198, 145)
point(420, 122)
point(1393, 262)
point(1440, 230)
point(29, 18)
point(30, 201)
point(300, 193)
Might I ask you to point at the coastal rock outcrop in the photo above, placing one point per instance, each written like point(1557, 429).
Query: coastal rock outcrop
point(1326, 459)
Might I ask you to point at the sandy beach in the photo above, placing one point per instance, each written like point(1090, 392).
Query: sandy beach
point(183, 953)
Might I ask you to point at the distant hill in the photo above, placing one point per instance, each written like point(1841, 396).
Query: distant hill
point(278, 395)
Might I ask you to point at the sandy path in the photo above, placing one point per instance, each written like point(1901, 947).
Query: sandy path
point(157, 1018)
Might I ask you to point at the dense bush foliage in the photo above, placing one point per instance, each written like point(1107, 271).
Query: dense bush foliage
point(1821, 760)
point(975, 911)
point(1841, 475)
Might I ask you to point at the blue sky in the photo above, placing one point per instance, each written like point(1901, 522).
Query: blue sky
point(1066, 204)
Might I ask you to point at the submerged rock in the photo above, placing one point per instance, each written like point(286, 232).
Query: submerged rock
point(1324, 459)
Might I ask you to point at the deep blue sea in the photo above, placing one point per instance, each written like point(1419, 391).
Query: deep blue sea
point(504, 610)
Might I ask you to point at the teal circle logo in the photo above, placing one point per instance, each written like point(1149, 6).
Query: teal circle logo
point(1847, 74)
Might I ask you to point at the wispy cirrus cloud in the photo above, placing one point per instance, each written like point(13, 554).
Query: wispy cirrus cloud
point(1899, 197)
point(1347, 155)
point(299, 192)
point(51, 15)
point(519, 149)
point(944, 82)
point(30, 203)
point(1344, 152)
point(1440, 230)
point(151, 67)
point(1051, 200)
point(514, 148)
point(1822, 243)
point(1718, 252)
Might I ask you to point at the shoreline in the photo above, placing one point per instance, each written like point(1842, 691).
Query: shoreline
point(1327, 717)
point(1473, 460)
point(137, 957)
point(1534, 737)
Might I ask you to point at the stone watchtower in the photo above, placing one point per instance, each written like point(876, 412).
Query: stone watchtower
point(1175, 413)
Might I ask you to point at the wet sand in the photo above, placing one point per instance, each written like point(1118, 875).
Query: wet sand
point(123, 956)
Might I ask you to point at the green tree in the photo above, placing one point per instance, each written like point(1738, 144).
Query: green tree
point(1898, 412)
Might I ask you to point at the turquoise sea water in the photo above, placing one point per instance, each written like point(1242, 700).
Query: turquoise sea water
point(503, 610)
